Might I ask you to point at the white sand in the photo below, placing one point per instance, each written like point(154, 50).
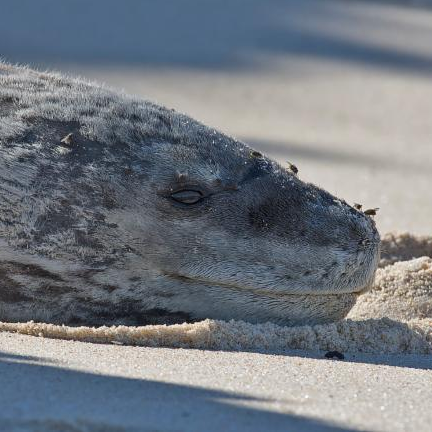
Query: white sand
point(343, 90)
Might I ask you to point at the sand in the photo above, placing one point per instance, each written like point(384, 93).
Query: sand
point(343, 90)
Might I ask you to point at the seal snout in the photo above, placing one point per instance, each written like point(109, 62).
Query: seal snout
point(339, 245)
point(361, 259)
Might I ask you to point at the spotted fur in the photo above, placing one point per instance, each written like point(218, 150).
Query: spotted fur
point(89, 232)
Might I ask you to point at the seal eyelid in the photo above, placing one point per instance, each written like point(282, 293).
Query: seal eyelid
point(187, 196)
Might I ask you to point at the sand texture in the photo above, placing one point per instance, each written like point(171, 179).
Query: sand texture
point(342, 90)
point(395, 316)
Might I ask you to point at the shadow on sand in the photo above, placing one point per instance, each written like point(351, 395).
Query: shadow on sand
point(380, 341)
point(206, 35)
point(48, 398)
point(290, 150)
point(398, 332)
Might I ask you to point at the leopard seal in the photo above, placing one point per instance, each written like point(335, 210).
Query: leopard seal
point(114, 210)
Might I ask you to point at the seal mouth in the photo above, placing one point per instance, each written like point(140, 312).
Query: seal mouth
point(286, 309)
point(266, 293)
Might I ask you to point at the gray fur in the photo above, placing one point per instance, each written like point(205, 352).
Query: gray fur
point(89, 232)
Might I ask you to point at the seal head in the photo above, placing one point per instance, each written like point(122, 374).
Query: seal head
point(144, 215)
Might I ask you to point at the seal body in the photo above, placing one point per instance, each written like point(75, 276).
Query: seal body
point(114, 210)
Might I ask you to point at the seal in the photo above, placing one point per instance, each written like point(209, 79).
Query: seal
point(115, 210)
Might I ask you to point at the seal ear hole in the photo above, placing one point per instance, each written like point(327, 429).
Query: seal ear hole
point(187, 196)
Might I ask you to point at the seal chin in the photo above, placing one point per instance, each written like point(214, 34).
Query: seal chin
point(260, 306)
point(274, 294)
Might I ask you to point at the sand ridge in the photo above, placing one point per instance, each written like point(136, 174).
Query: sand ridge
point(395, 316)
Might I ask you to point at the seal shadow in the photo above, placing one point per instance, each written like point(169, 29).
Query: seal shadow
point(401, 359)
point(407, 337)
point(412, 361)
point(37, 396)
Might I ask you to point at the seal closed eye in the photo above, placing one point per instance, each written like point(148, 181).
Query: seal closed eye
point(115, 210)
point(187, 196)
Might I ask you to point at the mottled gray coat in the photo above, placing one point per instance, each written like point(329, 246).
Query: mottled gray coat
point(144, 215)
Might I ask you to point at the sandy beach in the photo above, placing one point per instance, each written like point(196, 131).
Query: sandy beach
point(343, 89)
